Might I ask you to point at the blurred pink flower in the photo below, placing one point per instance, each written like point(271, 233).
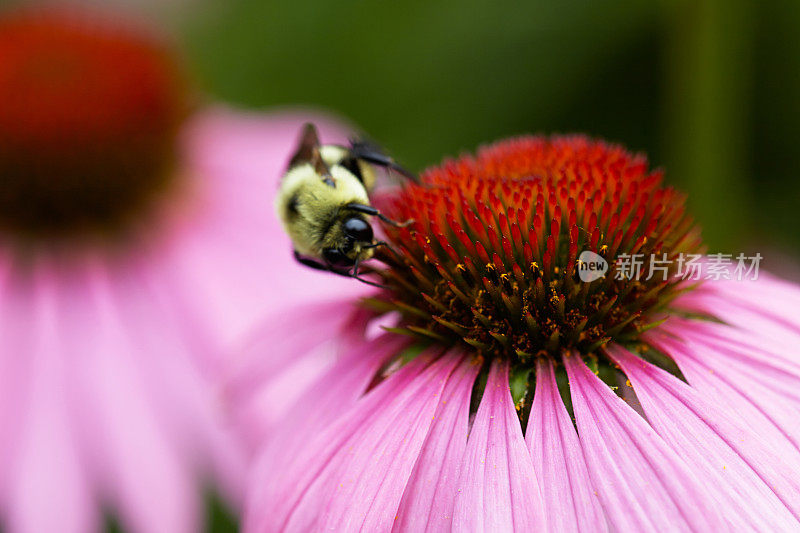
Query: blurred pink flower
point(114, 328)
point(471, 429)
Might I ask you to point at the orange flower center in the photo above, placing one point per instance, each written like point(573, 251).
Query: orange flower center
point(497, 255)
point(89, 111)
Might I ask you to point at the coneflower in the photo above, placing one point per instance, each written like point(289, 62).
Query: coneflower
point(504, 390)
point(127, 223)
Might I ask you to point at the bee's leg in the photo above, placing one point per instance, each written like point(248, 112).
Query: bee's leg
point(316, 265)
point(369, 210)
point(311, 263)
point(368, 282)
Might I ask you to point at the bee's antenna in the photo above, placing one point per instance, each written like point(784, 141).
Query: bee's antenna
point(373, 154)
point(369, 210)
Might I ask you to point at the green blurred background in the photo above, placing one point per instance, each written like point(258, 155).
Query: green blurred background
point(710, 89)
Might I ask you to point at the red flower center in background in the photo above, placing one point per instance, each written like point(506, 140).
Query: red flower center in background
point(89, 111)
point(493, 256)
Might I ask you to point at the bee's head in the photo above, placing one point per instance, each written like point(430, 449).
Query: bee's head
point(355, 234)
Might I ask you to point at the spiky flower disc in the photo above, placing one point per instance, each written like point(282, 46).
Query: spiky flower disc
point(492, 256)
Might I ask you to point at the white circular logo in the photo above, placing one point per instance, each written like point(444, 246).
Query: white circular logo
point(591, 266)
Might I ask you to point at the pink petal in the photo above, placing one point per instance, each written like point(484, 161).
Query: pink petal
point(735, 388)
point(381, 457)
point(49, 489)
point(333, 392)
point(497, 487)
point(364, 457)
point(642, 483)
point(427, 503)
point(762, 386)
point(16, 311)
point(284, 337)
point(771, 317)
point(776, 369)
point(314, 369)
point(775, 361)
point(140, 469)
point(187, 393)
point(769, 295)
point(739, 469)
point(570, 502)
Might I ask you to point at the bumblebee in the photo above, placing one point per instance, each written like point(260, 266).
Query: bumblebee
point(324, 204)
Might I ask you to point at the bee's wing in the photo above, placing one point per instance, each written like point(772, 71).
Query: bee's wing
point(308, 152)
point(372, 153)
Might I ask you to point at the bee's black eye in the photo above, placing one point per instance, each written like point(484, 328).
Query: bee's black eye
point(337, 258)
point(358, 229)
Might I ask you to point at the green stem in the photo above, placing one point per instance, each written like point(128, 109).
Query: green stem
point(706, 127)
